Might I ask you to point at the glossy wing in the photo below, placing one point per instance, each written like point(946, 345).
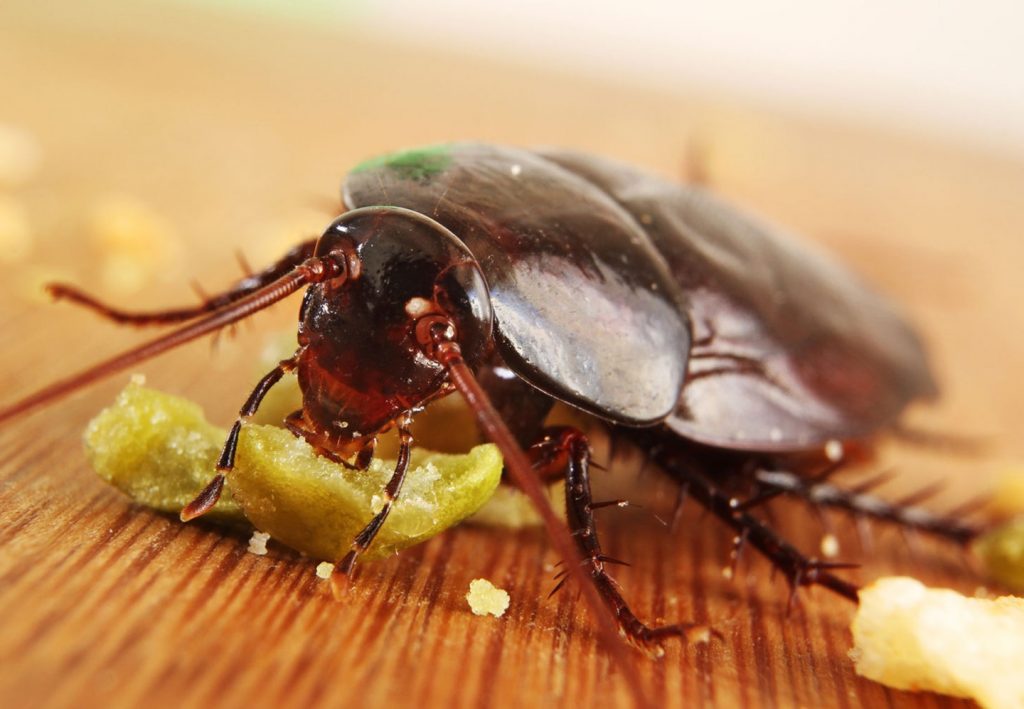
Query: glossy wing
point(584, 304)
point(790, 349)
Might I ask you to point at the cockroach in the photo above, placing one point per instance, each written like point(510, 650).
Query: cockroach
point(724, 348)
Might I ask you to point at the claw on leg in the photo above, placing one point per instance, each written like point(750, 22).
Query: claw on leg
point(340, 578)
point(206, 499)
point(568, 450)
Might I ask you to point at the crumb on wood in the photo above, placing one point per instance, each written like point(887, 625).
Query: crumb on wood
point(909, 636)
point(258, 543)
point(484, 598)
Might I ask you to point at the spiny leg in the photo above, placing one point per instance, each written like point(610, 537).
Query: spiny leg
point(568, 450)
point(859, 502)
point(363, 540)
point(439, 343)
point(62, 291)
point(211, 493)
point(800, 570)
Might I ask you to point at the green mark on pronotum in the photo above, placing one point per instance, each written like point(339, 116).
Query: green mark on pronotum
point(415, 164)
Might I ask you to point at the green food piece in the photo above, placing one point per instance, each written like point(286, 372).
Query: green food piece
point(1002, 551)
point(447, 425)
point(318, 507)
point(159, 449)
point(416, 164)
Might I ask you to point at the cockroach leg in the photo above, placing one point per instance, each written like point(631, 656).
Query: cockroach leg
point(365, 455)
point(765, 493)
point(610, 503)
point(567, 450)
point(861, 504)
point(439, 344)
point(211, 493)
point(799, 570)
point(249, 284)
point(391, 491)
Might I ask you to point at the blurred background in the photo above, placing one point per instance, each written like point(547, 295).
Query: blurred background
point(949, 70)
point(144, 143)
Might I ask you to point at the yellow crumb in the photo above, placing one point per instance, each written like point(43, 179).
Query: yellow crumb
point(484, 598)
point(258, 543)
point(324, 569)
point(908, 636)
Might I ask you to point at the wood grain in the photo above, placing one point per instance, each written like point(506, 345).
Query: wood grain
point(236, 133)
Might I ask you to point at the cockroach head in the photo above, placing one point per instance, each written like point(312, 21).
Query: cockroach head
point(365, 353)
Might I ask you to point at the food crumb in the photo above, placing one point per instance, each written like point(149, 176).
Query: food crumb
point(909, 636)
point(324, 569)
point(829, 546)
point(485, 598)
point(258, 543)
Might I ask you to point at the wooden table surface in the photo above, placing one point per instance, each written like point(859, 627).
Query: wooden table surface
point(233, 134)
